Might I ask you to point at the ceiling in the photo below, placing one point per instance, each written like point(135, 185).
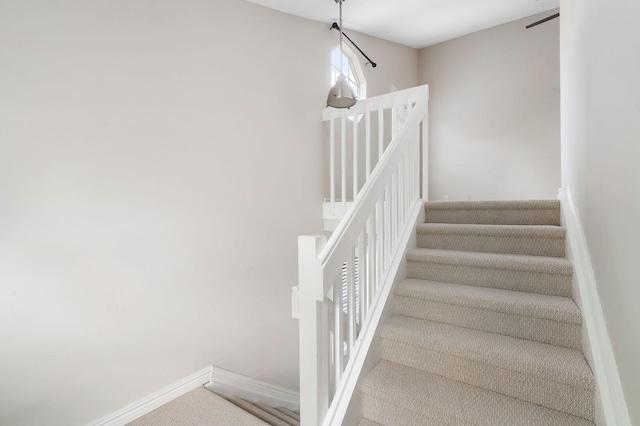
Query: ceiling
point(415, 23)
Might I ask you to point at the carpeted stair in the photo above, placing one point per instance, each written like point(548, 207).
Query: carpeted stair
point(204, 407)
point(279, 416)
point(485, 331)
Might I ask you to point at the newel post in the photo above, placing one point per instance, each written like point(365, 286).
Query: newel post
point(314, 334)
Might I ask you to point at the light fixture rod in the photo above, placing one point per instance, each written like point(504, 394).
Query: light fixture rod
point(341, 53)
point(335, 26)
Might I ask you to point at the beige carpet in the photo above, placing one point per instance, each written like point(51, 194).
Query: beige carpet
point(485, 331)
point(199, 407)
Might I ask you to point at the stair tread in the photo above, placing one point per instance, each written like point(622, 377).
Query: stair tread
point(526, 212)
point(277, 413)
point(532, 231)
point(455, 402)
point(289, 413)
point(559, 364)
point(516, 262)
point(556, 308)
point(257, 411)
point(493, 205)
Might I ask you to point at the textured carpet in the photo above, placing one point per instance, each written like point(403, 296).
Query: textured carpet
point(513, 239)
point(265, 413)
point(535, 212)
point(394, 394)
point(485, 331)
point(542, 318)
point(198, 408)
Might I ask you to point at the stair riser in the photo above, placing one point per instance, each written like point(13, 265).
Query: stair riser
point(494, 217)
point(389, 414)
point(537, 390)
point(532, 282)
point(278, 414)
point(550, 247)
point(537, 329)
point(289, 413)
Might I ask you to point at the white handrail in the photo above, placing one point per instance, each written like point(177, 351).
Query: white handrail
point(340, 279)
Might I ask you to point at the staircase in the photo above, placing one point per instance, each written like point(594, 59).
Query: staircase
point(485, 331)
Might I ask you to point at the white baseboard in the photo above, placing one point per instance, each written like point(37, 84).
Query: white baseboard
point(228, 383)
point(155, 400)
point(611, 406)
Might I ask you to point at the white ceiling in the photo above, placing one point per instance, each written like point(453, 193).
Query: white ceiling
point(415, 23)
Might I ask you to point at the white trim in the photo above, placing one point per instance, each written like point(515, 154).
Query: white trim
point(597, 347)
point(228, 383)
point(351, 376)
point(151, 402)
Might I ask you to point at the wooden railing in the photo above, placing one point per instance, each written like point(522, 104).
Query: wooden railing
point(340, 280)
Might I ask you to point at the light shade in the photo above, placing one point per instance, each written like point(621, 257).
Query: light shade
point(341, 94)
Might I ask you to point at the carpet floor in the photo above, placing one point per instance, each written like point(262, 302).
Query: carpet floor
point(199, 407)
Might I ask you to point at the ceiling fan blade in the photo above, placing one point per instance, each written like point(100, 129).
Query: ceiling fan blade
point(548, 18)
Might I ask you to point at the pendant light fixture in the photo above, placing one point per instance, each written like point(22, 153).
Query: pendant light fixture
point(341, 94)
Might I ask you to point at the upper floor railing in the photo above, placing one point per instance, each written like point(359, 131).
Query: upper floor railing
point(357, 138)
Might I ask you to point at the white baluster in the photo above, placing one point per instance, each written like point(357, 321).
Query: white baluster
point(338, 344)
point(351, 300)
point(404, 195)
point(385, 229)
point(380, 132)
point(343, 154)
point(355, 156)
point(393, 206)
point(371, 256)
point(399, 201)
point(367, 146)
point(425, 156)
point(380, 241)
point(332, 164)
point(362, 275)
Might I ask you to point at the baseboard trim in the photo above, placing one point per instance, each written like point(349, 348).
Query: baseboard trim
point(151, 402)
point(228, 383)
point(598, 350)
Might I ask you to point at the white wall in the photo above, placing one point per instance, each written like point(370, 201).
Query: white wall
point(600, 65)
point(157, 161)
point(396, 64)
point(494, 113)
